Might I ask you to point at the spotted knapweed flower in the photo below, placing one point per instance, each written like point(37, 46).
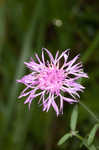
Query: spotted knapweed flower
point(52, 79)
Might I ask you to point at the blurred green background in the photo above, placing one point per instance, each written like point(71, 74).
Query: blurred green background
point(25, 27)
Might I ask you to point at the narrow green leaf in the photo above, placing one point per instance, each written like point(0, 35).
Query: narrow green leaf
point(91, 49)
point(64, 138)
point(74, 117)
point(92, 134)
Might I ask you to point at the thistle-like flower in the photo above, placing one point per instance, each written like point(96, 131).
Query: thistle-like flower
point(51, 79)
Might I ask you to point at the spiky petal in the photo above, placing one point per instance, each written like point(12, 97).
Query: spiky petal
point(49, 80)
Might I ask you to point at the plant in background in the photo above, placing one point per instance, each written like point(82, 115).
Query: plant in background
point(86, 141)
point(50, 79)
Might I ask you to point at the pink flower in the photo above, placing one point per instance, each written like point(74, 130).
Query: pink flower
point(50, 79)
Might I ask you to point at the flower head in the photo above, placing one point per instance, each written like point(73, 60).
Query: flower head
point(50, 79)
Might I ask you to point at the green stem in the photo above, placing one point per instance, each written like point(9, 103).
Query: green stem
point(91, 49)
point(89, 111)
point(81, 139)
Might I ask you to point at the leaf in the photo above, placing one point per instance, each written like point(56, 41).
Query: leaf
point(92, 147)
point(92, 134)
point(74, 117)
point(64, 138)
point(84, 142)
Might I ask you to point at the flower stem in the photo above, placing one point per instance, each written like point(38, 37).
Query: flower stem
point(82, 139)
point(79, 137)
point(89, 111)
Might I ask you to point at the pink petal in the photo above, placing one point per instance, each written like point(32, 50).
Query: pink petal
point(55, 107)
point(49, 54)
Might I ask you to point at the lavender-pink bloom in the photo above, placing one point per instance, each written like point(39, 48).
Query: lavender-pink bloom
point(50, 79)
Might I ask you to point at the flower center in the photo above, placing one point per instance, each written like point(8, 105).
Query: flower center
point(51, 79)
